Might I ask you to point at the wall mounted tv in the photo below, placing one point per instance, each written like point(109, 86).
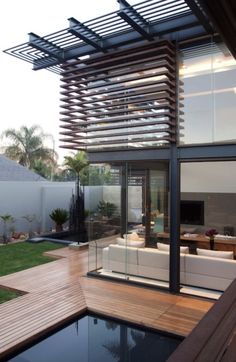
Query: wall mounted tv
point(192, 212)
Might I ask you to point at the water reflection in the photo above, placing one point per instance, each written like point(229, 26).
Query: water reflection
point(94, 339)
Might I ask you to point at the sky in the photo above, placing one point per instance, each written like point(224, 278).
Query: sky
point(32, 97)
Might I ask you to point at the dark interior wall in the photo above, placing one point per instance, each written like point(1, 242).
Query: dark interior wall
point(219, 210)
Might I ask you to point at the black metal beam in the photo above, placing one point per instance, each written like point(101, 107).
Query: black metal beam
point(201, 15)
point(46, 47)
point(211, 152)
point(223, 15)
point(184, 153)
point(181, 27)
point(134, 19)
point(84, 33)
point(129, 155)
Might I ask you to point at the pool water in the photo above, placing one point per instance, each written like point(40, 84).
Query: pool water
point(95, 339)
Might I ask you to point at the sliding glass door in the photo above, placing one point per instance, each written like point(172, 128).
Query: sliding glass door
point(127, 248)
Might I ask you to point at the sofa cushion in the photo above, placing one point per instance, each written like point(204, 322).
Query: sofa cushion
point(153, 258)
point(153, 264)
point(166, 247)
point(123, 259)
point(205, 281)
point(216, 254)
point(123, 254)
point(214, 267)
point(132, 243)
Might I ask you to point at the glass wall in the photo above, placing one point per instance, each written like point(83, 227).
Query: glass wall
point(130, 242)
point(148, 199)
point(208, 223)
point(208, 73)
point(104, 210)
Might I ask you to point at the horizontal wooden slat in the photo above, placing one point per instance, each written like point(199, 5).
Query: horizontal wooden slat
point(162, 96)
point(72, 87)
point(116, 70)
point(84, 69)
point(126, 133)
point(162, 85)
point(130, 53)
point(129, 117)
point(73, 128)
point(122, 87)
point(164, 105)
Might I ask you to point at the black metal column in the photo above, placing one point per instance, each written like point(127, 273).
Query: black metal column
point(147, 207)
point(174, 221)
point(124, 198)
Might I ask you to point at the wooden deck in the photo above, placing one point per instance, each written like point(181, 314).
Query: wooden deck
point(214, 338)
point(58, 291)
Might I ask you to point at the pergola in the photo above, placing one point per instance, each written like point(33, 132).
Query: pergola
point(87, 55)
point(119, 73)
point(175, 20)
point(165, 19)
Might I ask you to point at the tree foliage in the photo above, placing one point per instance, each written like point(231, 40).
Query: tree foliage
point(76, 163)
point(27, 146)
point(43, 169)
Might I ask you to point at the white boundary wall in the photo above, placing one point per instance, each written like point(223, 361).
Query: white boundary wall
point(33, 197)
point(19, 198)
point(39, 198)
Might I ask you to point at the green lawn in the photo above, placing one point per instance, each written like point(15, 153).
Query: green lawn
point(6, 295)
point(20, 256)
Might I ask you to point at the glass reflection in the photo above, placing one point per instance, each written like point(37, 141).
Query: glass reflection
point(208, 73)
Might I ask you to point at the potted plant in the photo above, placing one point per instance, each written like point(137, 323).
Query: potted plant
point(106, 209)
point(30, 218)
point(59, 216)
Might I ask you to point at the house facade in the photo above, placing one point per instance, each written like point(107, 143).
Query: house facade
point(149, 92)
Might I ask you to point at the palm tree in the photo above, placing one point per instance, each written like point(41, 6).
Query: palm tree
point(27, 146)
point(76, 163)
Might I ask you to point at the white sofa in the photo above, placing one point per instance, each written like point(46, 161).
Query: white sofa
point(195, 270)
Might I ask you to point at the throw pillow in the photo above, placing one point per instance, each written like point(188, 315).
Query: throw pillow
point(133, 243)
point(216, 254)
point(165, 247)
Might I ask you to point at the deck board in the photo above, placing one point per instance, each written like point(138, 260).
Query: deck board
point(60, 290)
point(159, 310)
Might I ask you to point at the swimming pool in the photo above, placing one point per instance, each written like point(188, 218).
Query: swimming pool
point(95, 339)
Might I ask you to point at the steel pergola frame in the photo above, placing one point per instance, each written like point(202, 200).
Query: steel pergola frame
point(149, 20)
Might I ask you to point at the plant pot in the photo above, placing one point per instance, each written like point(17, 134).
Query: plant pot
point(59, 228)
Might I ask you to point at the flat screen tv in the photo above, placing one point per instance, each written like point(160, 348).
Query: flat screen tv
point(192, 212)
